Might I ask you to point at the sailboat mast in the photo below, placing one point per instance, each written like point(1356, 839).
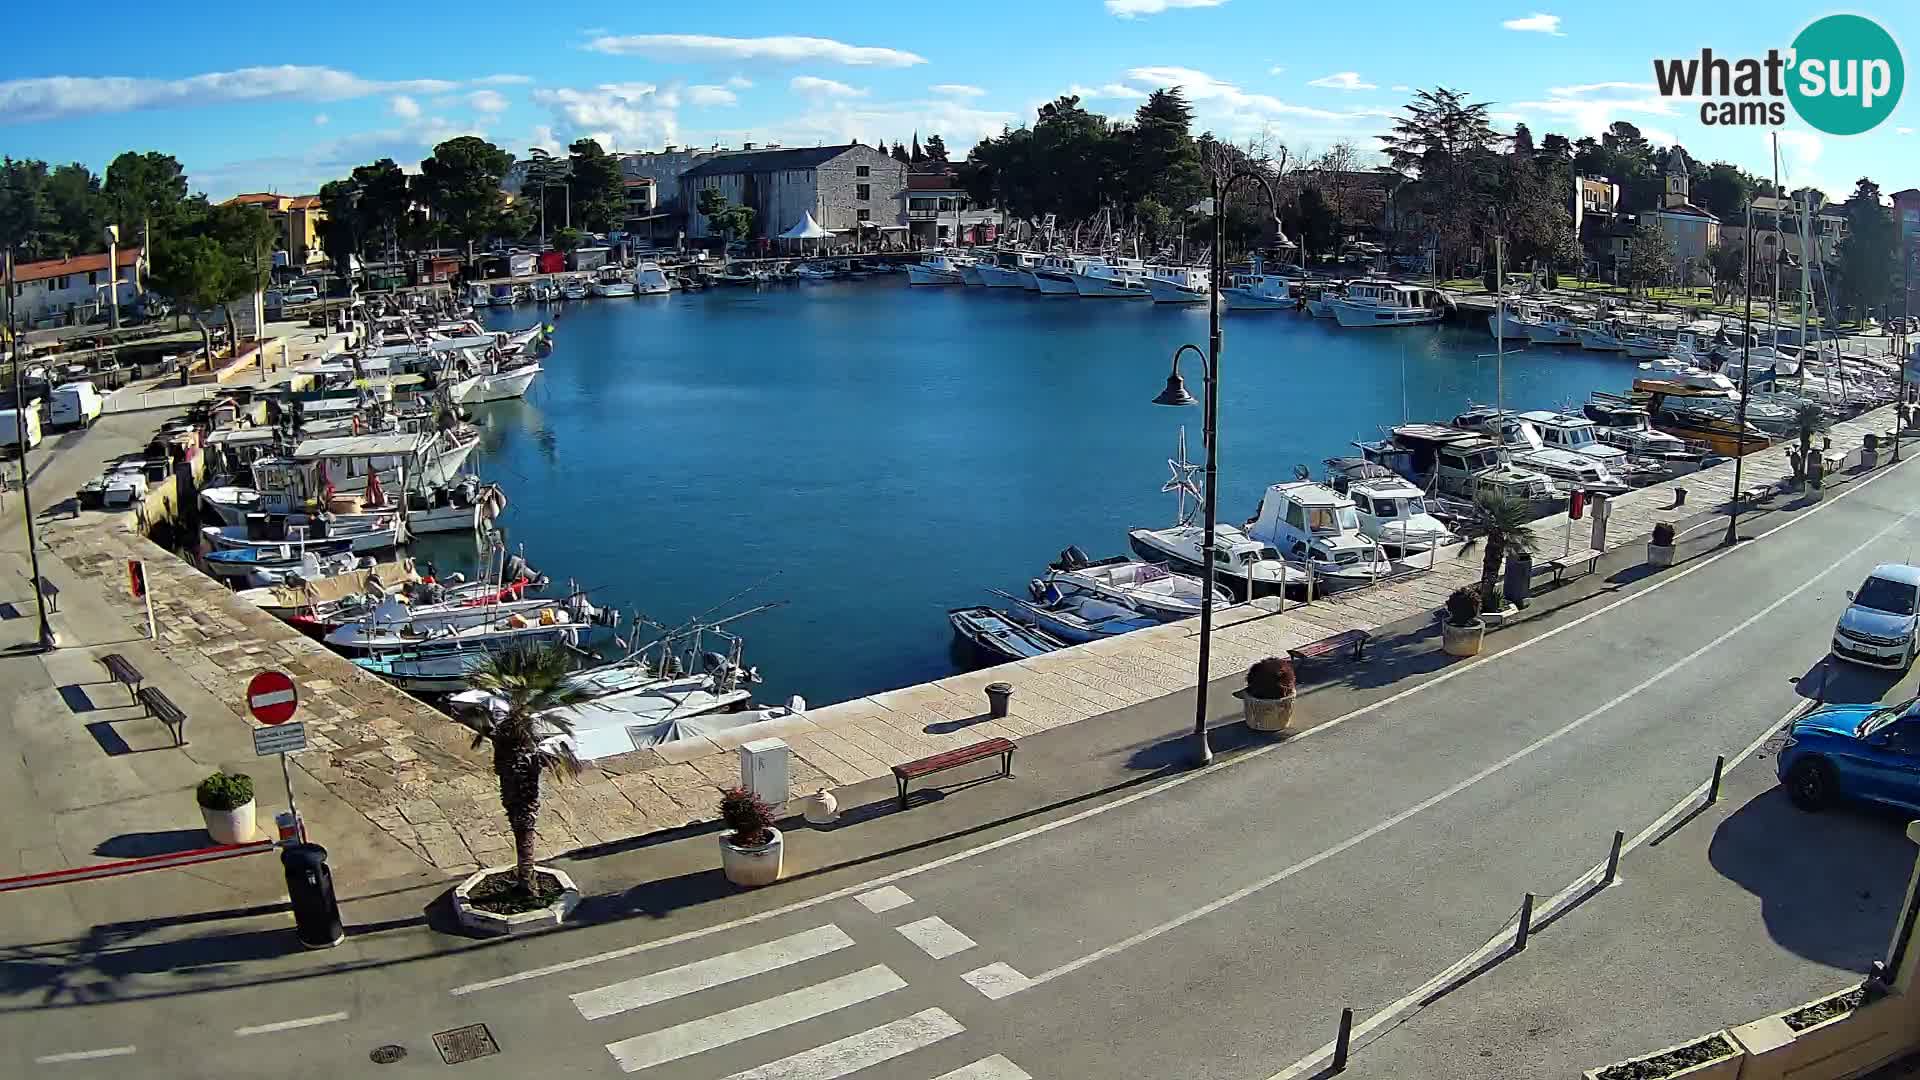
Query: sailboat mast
point(1499, 322)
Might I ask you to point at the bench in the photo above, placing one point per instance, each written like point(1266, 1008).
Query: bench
point(1564, 563)
point(1327, 646)
point(52, 592)
point(122, 671)
point(953, 759)
point(162, 708)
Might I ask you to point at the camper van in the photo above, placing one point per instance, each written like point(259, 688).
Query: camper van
point(10, 424)
point(74, 404)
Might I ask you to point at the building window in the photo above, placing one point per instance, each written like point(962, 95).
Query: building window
point(60, 282)
point(864, 214)
point(863, 192)
point(93, 277)
point(863, 170)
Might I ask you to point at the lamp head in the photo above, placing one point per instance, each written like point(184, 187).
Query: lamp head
point(1176, 391)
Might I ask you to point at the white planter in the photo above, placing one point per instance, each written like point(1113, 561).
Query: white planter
point(751, 866)
point(1659, 556)
point(1499, 617)
point(820, 808)
point(233, 826)
point(487, 922)
point(1462, 640)
point(1265, 714)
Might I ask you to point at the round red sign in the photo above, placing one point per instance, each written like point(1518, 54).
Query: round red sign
point(271, 697)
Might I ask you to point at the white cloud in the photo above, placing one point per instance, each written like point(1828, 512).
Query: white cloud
point(956, 90)
point(1590, 107)
point(1202, 87)
point(1401, 88)
point(404, 107)
point(321, 119)
point(1903, 131)
point(1233, 112)
point(816, 87)
point(1536, 23)
point(1115, 91)
point(711, 95)
point(1594, 88)
point(1276, 71)
point(488, 101)
point(777, 50)
point(739, 82)
point(841, 120)
point(25, 101)
point(503, 80)
point(1342, 80)
point(632, 115)
point(1129, 9)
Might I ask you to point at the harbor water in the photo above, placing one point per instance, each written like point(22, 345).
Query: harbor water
point(875, 454)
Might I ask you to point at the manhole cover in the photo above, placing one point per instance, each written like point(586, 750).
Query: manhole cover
point(465, 1043)
point(388, 1054)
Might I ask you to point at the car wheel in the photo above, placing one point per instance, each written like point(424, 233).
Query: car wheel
point(1810, 784)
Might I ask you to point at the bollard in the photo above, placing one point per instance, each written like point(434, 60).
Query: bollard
point(1713, 790)
point(1526, 924)
point(1679, 497)
point(1613, 859)
point(1342, 1040)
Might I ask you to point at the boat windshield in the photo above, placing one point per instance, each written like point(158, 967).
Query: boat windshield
point(1270, 554)
point(1578, 436)
point(1885, 594)
point(1332, 520)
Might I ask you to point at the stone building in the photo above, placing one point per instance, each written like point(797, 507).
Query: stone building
point(846, 188)
point(1694, 231)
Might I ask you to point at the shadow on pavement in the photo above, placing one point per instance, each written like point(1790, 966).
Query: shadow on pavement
point(75, 696)
point(140, 844)
point(1828, 883)
point(1836, 682)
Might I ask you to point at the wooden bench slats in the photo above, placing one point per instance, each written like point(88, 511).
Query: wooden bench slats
point(161, 707)
point(1565, 563)
point(1346, 639)
point(122, 671)
point(949, 759)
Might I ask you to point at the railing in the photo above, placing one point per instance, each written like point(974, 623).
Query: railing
point(125, 401)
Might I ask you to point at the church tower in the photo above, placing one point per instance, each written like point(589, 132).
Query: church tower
point(1677, 179)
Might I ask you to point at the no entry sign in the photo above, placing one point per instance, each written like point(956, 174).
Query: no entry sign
point(271, 697)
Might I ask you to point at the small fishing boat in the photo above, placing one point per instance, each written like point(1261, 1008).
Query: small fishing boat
point(938, 268)
point(574, 289)
point(1074, 619)
point(1010, 270)
point(1054, 276)
point(650, 280)
point(1112, 278)
point(612, 282)
point(997, 638)
point(1387, 303)
point(393, 622)
point(322, 535)
point(1147, 587)
point(1318, 525)
point(1178, 284)
point(1259, 292)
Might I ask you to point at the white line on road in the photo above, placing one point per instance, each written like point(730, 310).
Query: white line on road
point(289, 1025)
point(936, 937)
point(713, 971)
point(1447, 793)
point(83, 1055)
point(988, 1068)
point(1170, 784)
point(757, 1018)
point(883, 900)
point(856, 1052)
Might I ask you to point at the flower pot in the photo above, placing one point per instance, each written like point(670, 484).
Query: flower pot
point(1462, 640)
point(820, 808)
point(999, 699)
point(1265, 714)
point(1659, 554)
point(233, 826)
point(751, 866)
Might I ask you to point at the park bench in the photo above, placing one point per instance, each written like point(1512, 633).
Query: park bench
point(122, 671)
point(1564, 563)
point(1331, 644)
point(52, 592)
point(953, 759)
point(162, 708)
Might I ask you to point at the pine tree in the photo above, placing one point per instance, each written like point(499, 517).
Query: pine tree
point(900, 154)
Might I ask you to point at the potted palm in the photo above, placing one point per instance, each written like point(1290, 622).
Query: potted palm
point(226, 805)
point(524, 687)
point(1267, 701)
point(750, 848)
point(1503, 521)
point(1463, 629)
point(1660, 548)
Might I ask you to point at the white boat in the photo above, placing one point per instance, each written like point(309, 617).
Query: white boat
point(650, 280)
point(1320, 300)
point(970, 272)
point(1570, 469)
point(815, 271)
point(1549, 328)
point(1624, 424)
point(1394, 513)
point(1259, 292)
point(936, 268)
point(573, 289)
point(1178, 284)
point(1461, 464)
point(444, 661)
point(1386, 303)
point(1010, 270)
point(611, 283)
point(393, 622)
point(1600, 336)
point(476, 381)
point(1240, 563)
point(1110, 278)
point(1146, 587)
point(1319, 526)
point(1510, 321)
point(1075, 620)
point(479, 296)
point(358, 535)
point(1054, 275)
point(1565, 431)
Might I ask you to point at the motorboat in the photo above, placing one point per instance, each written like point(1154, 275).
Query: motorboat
point(393, 622)
point(937, 268)
point(1600, 335)
point(1075, 620)
point(308, 567)
point(1621, 423)
point(1110, 278)
point(998, 638)
point(737, 274)
point(1319, 526)
point(612, 282)
point(1009, 270)
point(316, 584)
point(1241, 564)
point(1259, 292)
point(1178, 284)
point(1394, 514)
point(1566, 431)
point(815, 271)
point(1568, 468)
point(259, 565)
point(445, 661)
point(650, 280)
point(479, 380)
point(1461, 464)
point(1055, 274)
point(1510, 320)
point(1387, 303)
point(317, 532)
point(970, 271)
point(1320, 299)
point(1150, 588)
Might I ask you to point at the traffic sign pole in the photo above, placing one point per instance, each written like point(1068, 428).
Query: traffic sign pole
point(273, 698)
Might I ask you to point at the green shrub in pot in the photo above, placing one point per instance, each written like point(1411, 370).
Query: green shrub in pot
point(1271, 679)
point(1463, 606)
point(224, 791)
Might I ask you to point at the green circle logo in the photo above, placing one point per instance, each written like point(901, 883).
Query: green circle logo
point(1847, 74)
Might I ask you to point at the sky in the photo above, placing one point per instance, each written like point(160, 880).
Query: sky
point(280, 98)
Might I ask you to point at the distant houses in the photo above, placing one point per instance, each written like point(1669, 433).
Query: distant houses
point(851, 189)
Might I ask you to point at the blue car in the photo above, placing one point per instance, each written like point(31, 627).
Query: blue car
point(1864, 752)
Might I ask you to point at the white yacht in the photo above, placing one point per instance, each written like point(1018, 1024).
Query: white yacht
point(1319, 526)
point(650, 280)
point(1386, 303)
point(1321, 298)
point(1510, 320)
point(1055, 273)
point(1240, 563)
point(1569, 468)
point(1621, 423)
point(1145, 587)
point(1178, 284)
point(936, 268)
point(1010, 270)
point(1394, 513)
point(1461, 464)
point(1259, 292)
point(612, 282)
point(1125, 278)
point(1565, 431)
point(574, 289)
point(478, 380)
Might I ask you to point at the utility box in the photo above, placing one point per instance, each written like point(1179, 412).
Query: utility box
point(1602, 510)
point(763, 770)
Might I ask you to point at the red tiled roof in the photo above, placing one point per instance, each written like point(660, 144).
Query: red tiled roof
point(79, 264)
point(932, 182)
point(303, 202)
point(258, 198)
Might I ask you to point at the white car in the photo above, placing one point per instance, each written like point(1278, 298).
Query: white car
point(303, 294)
point(1877, 628)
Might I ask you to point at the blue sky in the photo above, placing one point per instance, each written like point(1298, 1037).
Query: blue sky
point(254, 97)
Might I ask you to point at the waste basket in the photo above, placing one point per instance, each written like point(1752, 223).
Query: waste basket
point(316, 913)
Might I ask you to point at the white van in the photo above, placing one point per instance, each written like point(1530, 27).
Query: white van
point(10, 428)
point(75, 404)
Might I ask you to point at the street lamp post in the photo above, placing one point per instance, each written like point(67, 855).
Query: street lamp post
point(48, 640)
point(1746, 378)
point(1176, 394)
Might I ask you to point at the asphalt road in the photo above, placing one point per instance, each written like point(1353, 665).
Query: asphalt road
point(1204, 925)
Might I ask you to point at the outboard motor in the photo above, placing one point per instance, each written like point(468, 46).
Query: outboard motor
point(1073, 558)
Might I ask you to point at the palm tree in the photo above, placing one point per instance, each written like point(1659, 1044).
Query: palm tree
point(525, 684)
point(1808, 420)
point(1503, 521)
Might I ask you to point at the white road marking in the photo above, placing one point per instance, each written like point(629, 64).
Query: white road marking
point(276, 697)
point(997, 981)
point(936, 937)
point(856, 1052)
point(988, 1068)
point(885, 899)
point(289, 1025)
point(83, 1055)
point(713, 971)
point(1169, 784)
point(1504, 938)
point(1447, 793)
point(757, 1018)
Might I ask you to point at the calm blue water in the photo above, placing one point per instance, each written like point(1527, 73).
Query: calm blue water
point(885, 453)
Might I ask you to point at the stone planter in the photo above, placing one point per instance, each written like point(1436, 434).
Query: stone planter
point(1462, 640)
point(820, 808)
point(1722, 1067)
point(1842, 1044)
point(1869, 459)
point(1265, 714)
point(1659, 555)
point(486, 922)
point(233, 826)
point(751, 866)
point(1499, 618)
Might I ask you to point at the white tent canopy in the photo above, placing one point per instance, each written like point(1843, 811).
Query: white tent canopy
point(807, 229)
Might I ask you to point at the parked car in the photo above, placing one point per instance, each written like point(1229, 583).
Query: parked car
point(300, 294)
point(74, 404)
point(1877, 629)
point(1863, 752)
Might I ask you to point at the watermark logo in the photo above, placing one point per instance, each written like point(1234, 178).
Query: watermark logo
point(1843, 75)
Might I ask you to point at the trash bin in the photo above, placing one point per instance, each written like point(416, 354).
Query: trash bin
point(999, 699)
point(316, 913)
point(1518, 584)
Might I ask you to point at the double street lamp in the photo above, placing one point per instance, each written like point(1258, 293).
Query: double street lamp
point(1176, 394)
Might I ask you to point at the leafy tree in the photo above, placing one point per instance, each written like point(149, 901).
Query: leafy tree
point(461, 181)
point(198, 275)
point(568, 239)
point(1557, 145)
point(731, 220)
point(147, 191)
point(341, 200)
point(900, 154)
point(1725, 190)
point(1319, 226)
point(1727, 262)
point(24, 210)
point(1531, 212)
point(1449, 142)
point(523, 733)
point(1868, 258)
point(1650, 257)
point(937, 151)
point(384, 202)
point(1522, 140)
point(599, 192)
